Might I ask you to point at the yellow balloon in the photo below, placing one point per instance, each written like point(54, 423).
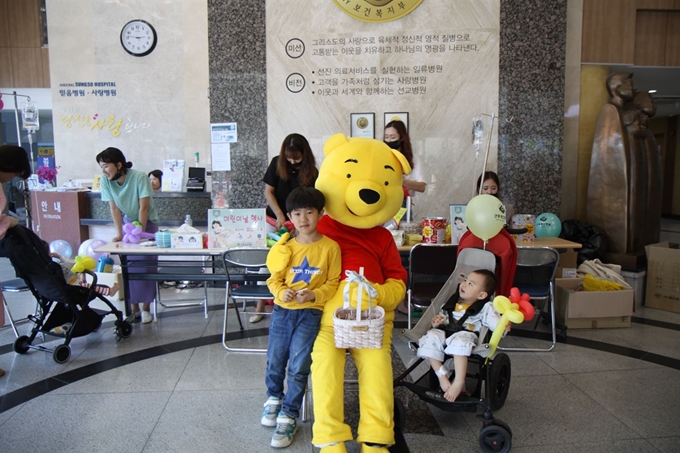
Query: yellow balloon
point(509, 313)
point(485, 216)
point(83, 262)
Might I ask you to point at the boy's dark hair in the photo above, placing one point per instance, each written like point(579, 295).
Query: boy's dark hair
point(489, 280)
point(305, 197)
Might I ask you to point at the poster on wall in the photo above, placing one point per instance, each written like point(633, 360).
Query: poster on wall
point(362, 125)
point(223, 133)
point(457, 219)
point(173, 175)
point(236, 228)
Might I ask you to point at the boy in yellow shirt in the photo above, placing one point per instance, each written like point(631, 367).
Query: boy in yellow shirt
point(305, 273)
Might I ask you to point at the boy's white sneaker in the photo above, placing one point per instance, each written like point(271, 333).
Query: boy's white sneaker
point(271, 411)
point(285, 430)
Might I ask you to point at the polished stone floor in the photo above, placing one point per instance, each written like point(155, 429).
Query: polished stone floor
point(172, 386)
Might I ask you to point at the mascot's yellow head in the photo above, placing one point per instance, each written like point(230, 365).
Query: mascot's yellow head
point(361, 179)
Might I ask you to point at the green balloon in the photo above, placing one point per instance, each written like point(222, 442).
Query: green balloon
point(485, 216)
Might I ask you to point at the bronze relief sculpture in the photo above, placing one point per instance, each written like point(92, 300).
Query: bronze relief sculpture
point(624, 189)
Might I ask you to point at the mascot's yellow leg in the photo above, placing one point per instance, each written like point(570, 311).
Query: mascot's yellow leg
point(337, 448)
point(328, 377)
point(376, 395)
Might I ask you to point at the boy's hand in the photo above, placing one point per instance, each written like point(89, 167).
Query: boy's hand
point(288, 295)
point(279, 255)
point(438, 320)
point(304, 295)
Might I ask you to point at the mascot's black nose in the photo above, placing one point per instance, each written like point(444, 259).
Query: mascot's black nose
point(369, 196)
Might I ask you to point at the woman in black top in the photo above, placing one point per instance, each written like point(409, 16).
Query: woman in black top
point(294, 166)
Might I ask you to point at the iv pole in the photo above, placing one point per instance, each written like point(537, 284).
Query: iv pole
point(27, 200)
point(494, 117)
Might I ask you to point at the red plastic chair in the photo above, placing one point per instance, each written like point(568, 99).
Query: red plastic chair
point(503, 246)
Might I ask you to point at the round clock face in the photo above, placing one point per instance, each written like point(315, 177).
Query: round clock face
point(138, 38)
point(377, 10)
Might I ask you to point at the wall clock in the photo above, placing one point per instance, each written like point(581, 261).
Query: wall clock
point(138, 38)
point(377, 10)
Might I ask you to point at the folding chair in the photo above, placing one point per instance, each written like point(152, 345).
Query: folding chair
point(241, 266)
point(535, 275)
point(16, 285)
point(430, 267)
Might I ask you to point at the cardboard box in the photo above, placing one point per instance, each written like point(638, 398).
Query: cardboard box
point(592, 309)
point(186, 240)
point(663, 276)
point(566, 266)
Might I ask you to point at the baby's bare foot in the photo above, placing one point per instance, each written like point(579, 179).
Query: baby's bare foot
point(454, 390)
point(114, 289)
point(444, 383)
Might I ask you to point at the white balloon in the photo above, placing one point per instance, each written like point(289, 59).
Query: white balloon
point(82, 250)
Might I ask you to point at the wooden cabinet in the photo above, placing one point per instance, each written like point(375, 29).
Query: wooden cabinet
point(56, 215)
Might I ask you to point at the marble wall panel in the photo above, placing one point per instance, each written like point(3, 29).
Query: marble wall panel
point(160, 99)
point(458, 39)
point(532, 40)
point(238, 93)
point(532, 79)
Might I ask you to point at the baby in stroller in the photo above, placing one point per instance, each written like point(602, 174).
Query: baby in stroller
point(59, 304)
point(489, 372)
point(75, 278)
point(456, 327)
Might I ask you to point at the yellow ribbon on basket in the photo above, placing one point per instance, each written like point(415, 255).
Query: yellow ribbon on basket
point(509, 312)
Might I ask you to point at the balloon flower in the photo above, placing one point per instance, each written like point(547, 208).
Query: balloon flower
point(83, 262)
point(133, 233)
point(510, 312)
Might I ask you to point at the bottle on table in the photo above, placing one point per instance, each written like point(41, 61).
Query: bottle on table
point(188, 220)
point(105, 264)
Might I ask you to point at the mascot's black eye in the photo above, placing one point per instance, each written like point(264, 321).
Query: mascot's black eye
point(387, 183)
point(348, 176)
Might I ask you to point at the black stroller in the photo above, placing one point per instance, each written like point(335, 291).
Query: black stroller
point(491, 374)
point(58, 302)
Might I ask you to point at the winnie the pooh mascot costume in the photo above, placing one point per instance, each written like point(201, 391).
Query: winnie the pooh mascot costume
point(361, 179)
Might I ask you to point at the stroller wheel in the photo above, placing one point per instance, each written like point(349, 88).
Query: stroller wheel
point(125, 329)
point(61, 353)
point(502, 424)
point(21, 345)
point(499, 381)
point(495, 439)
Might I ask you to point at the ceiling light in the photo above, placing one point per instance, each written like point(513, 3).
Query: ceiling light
point(651, 91)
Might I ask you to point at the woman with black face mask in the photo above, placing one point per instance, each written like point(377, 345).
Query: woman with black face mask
point(294, 166)
point(129, 195)
point(397, 138)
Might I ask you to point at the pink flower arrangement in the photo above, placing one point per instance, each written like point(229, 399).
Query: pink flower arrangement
point(47, 174)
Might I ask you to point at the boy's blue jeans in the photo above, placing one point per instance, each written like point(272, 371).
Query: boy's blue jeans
point(291, 337)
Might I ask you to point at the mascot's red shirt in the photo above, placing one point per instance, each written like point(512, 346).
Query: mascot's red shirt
point(373, 249)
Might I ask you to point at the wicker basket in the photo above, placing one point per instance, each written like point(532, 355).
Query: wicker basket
point(356, 328)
